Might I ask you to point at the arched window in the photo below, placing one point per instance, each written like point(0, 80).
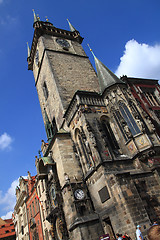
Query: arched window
point(129, 119)
point(111, 140)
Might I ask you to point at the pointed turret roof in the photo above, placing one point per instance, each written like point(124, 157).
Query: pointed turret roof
point(106, 77)
point(72, 29)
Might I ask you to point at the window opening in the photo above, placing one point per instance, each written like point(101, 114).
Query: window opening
point(45, 90)
point(111, 140)
point(129, 119)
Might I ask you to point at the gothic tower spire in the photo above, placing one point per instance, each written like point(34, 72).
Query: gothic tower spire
point(106, 77)
point(72, 29)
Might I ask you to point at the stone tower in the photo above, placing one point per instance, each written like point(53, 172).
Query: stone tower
point(99, 142)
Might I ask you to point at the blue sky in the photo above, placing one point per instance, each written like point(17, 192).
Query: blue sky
point(124, 35)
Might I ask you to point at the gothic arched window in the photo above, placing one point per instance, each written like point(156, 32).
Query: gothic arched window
point(129, 119)
point(109, 133)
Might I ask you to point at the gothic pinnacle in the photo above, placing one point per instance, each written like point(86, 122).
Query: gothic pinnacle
point(36, 17)
point(29, 51)
point(106, 77)
point(72, 29)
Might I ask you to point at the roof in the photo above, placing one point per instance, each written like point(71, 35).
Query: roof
point(47, 160)
point(139, 80)
point(2, 222)
point(7, 229)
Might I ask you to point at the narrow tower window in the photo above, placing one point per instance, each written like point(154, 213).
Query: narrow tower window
point(45, 90)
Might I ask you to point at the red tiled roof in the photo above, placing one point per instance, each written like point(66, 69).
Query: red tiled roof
point(7, 229)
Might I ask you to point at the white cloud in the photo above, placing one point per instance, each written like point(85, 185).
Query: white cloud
point(5, 141)
point(8, 199)
point(8, 215)
point(140, 60)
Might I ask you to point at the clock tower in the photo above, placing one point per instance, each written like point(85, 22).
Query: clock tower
point(61, 67)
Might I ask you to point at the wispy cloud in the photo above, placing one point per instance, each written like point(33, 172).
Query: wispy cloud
point(7, 216)
point(7, 20)
point(140, 60)
point(8, 200)
point(1, 1)
point(5, 141)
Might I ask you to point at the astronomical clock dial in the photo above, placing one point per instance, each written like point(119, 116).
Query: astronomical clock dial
point(63, 43)
point(59, 228)
point(53, 193)
point(79, 194)
point(53, 196)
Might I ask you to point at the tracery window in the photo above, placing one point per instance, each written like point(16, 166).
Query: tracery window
point(129, 119)
point(84, 151)
point(120, 122)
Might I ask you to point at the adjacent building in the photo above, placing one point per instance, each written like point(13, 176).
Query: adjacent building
point(27, 217)
point(146, 93)
point(20, 210)
point(7, 230)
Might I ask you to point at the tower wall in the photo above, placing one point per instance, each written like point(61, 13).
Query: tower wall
point(64, 72)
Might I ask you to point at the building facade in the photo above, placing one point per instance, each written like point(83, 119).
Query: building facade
point(42, 181)
point(20, 210)
point(27, 212)
point(101, 162)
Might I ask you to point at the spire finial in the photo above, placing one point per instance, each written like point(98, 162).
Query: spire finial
point(29, 51)
point(47, 19)
point(72, 29)
point(36, 18)
point(91, 50)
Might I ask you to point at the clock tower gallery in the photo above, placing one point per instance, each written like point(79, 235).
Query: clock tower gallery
point(99, 141)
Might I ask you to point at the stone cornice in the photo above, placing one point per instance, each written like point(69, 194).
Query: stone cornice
point(82, 98)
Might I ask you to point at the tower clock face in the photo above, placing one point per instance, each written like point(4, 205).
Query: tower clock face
point(63, 43)
point(79, 194)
